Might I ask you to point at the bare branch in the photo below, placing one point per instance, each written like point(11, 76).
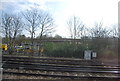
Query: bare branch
point(75, 27)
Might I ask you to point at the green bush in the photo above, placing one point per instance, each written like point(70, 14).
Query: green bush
point(64, 50)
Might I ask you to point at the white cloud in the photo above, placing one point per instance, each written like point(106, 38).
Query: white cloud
point(93, 10)
point(88, 10)
point(9, 0)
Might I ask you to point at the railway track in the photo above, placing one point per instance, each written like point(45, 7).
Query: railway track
point(27, 64)
point(45, 59)
point(63, 76)
point(62, 61)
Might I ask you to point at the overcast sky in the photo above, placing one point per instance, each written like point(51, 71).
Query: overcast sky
point(90, 11)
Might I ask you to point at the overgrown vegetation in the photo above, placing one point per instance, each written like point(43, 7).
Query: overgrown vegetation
point(104, 47)
point(64, 50)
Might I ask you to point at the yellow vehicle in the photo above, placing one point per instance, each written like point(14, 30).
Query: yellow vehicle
point(4, 47)
point(18, 48)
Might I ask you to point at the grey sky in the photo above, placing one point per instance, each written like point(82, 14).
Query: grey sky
point(90, 11)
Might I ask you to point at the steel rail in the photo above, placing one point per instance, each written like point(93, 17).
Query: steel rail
point(60, 69)
point(62, 63)
point(45, 58)
point(62, 76)
point(53, 60)
point(60, 66)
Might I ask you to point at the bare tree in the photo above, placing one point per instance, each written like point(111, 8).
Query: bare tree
point(100, 31)
point(76, 27)
point(46, 23)
point(31, 21)
point(38, 20)
point(100, 37)
point(11, 26)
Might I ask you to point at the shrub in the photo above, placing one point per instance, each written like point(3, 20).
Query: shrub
point(64, 50)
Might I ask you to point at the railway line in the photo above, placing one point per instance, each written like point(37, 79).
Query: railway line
point(59, 68)
point(63, 61)
point(63, 76)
